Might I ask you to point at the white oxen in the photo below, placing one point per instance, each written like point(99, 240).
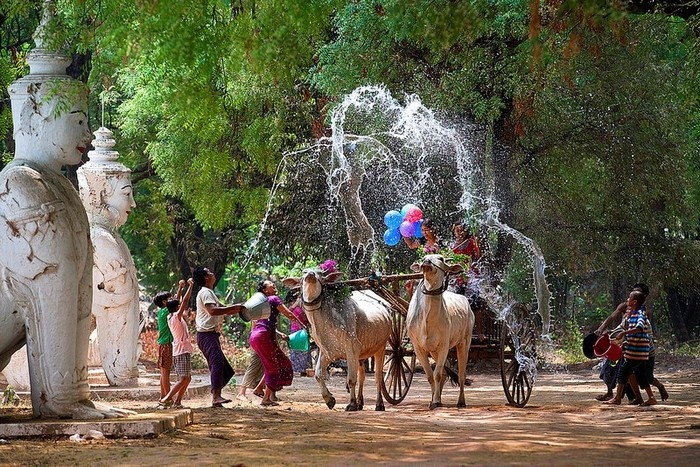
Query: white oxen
point(438, 320)
point(353, 329)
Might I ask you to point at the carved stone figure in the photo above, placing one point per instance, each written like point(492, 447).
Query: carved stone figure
point(46, 260)
point(106, 192)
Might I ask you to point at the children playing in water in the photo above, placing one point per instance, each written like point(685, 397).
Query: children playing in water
point(182, 349)
point(636, 347)
point(610, 369)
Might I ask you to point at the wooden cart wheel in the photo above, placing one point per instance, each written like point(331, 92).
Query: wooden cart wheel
point(399, 362)
point(517, 382)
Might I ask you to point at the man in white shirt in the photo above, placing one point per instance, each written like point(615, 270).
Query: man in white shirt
point(208, 322)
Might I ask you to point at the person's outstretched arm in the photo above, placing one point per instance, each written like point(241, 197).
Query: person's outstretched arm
point(614, 316)
point(286, 312)
point(186, 299)
point(224, 310)
point(180, 287)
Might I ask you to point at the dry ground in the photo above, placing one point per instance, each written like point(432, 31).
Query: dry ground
point(562, 425)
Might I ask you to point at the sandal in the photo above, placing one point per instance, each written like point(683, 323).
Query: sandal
point(217, 405)
point(162, 405)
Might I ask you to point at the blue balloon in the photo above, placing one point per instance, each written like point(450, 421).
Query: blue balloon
point(406, 208)
point(392, 237)
point(392, 219)
point(417, 232)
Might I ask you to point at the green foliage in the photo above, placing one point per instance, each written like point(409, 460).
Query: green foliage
point(148, 232)
point(689, 349)
point(518, 279)
point(571, 344)
point(592, 118)
point(608, 141)
point(592, 309)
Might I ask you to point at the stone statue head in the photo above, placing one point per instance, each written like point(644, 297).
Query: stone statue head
point(105, 183)
point(49, 108)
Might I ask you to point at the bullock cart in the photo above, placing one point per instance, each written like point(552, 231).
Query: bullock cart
point(492, 339)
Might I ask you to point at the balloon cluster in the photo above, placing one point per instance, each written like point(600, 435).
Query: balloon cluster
point(405, 223)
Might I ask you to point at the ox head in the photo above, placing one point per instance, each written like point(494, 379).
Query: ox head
point(435, 271)
point(311, 282)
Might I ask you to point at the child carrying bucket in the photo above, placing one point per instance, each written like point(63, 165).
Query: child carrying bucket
point(635, 347)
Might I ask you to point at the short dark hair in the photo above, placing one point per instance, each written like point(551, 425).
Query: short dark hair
point(160, 299)
point(261, 285)
point(642, 288)
point(173, 305)
point(638, 296)
point(199, 276)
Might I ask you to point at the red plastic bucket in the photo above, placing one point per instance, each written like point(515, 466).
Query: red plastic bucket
point(604, 348)
point(614, 352)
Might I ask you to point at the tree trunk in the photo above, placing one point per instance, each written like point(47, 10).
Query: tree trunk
point(618, 291)
point(691, 317)
point(675, 312)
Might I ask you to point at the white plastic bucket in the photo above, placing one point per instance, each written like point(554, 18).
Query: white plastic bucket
point(256, 307)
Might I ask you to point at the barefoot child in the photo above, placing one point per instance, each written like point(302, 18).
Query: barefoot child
point(635, 348)
point(182, 348)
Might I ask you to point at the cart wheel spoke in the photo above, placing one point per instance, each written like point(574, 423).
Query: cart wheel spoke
point(516, 382)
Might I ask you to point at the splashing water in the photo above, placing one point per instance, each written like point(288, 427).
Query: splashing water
point(382, 154)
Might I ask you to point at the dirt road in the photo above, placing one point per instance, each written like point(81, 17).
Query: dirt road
point(562, 425)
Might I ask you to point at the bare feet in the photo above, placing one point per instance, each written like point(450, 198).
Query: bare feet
point(613, 401)
point(268, 403)
point(648, 402)
point(242, 398)
point(220, 400)
point(604, 397)
point(636, 402)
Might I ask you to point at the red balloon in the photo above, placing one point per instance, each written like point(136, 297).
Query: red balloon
point(414, 214)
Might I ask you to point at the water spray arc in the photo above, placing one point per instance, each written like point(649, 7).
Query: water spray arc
point(384, 153)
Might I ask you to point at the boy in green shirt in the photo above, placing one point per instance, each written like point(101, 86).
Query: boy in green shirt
point(165, 338)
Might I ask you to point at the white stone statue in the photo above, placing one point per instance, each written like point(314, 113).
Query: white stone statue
point(46, 259)
point(105, 189)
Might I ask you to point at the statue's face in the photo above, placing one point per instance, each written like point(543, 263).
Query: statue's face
point(122, 200)
point(69, 135)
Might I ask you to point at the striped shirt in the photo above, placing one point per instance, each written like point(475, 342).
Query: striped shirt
point(637, 344)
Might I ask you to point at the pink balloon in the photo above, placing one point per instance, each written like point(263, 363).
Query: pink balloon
point(414, 214)
point(406, 229)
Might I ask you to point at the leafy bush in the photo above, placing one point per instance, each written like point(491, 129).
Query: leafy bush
point(689, 349)
point(571, 344)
